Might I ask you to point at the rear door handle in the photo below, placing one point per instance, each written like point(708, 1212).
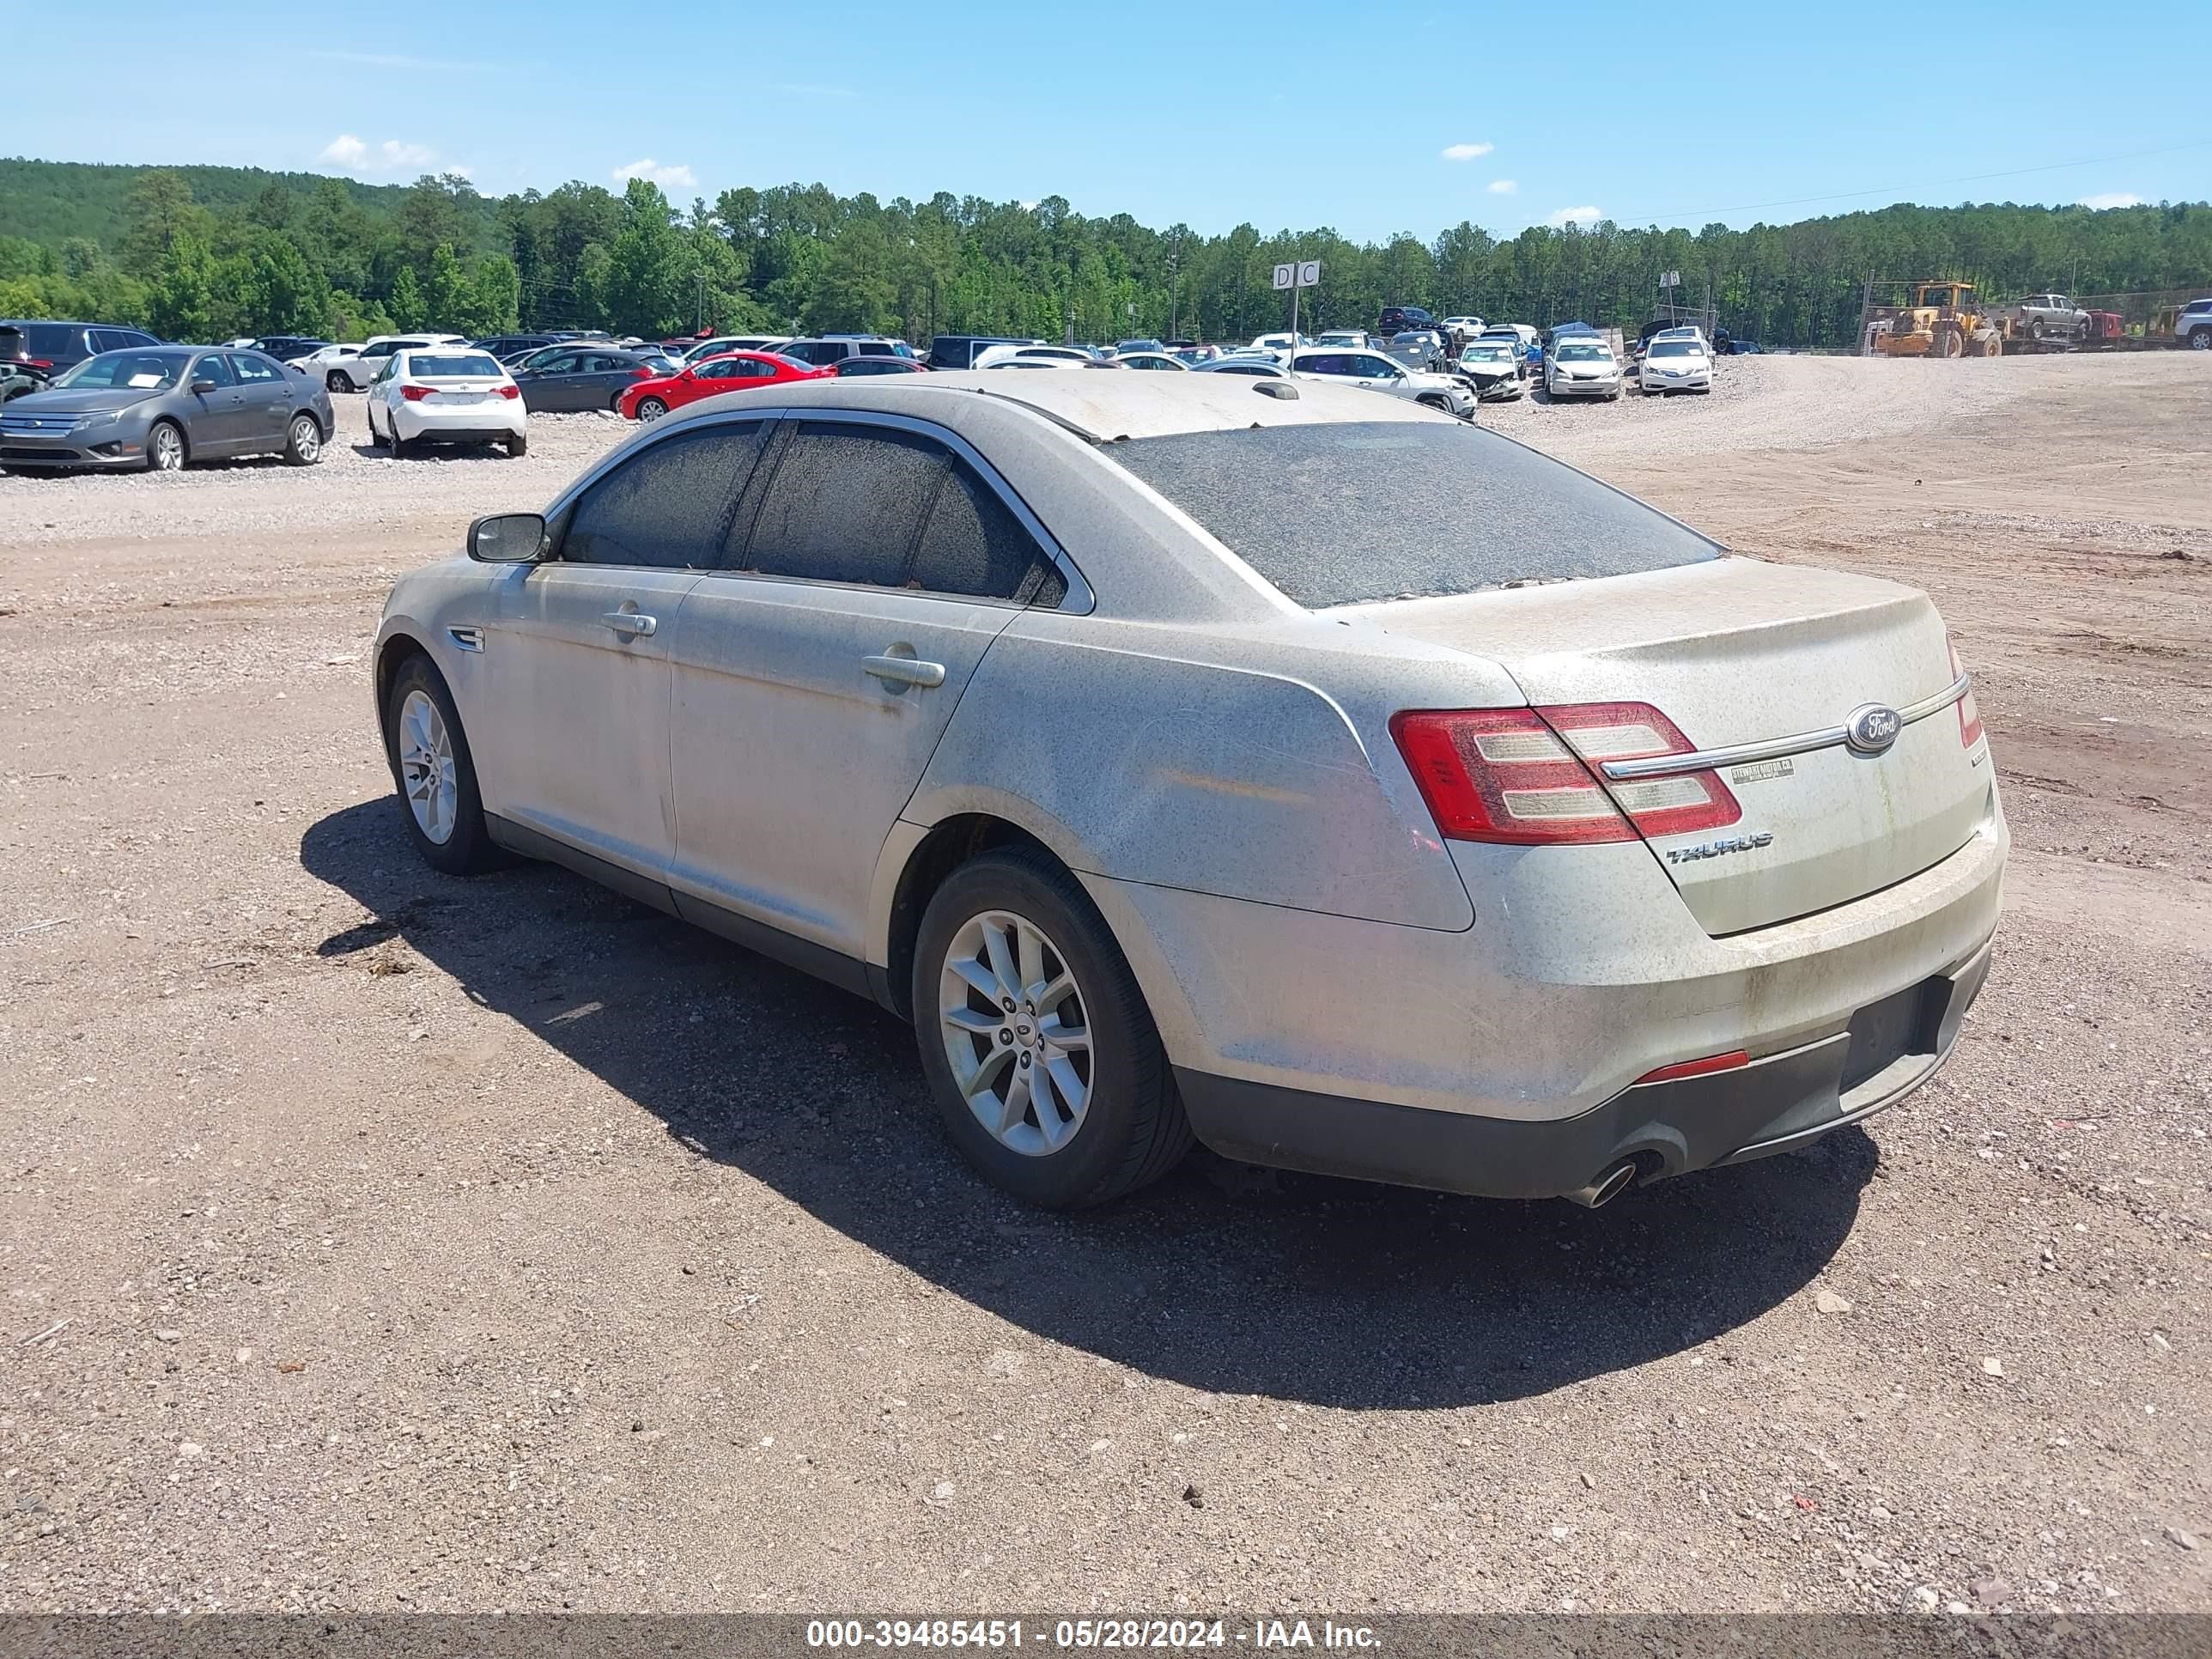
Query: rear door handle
point(632, 624)
point(904, 671)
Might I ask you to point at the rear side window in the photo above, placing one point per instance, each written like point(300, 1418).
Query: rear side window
point(1319, 511)
point(668, 505)
point(973, 545)
point(50, 341)
point(845, 503)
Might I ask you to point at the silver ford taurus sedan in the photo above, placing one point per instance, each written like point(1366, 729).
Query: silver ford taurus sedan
point(1129, 735)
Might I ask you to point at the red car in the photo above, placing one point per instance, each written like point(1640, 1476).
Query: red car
point(733, 371)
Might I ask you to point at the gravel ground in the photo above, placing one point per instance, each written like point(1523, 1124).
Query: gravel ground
point(374, 1240)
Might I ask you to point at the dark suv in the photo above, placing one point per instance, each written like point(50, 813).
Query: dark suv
point(284, 348)
point(1396, 320)
point(54, 347)
point(961, 350)
point(829, 349)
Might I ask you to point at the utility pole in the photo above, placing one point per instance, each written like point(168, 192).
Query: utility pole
point(1175, 292)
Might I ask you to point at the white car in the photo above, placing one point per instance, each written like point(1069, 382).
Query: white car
point(715, 347)
point(1345, 339)
point(324, 364)
point(446, 395)
point(1582, 366)
point(1379, 373)
point(1281, 345)
point(999, 356)
point(1675, 363)
point(1460, 328)
point(1154, 360)
point(353, 374)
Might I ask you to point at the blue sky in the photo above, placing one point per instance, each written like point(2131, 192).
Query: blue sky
point(1208, 113)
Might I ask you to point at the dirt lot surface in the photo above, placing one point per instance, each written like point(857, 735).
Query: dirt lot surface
point(374, 1240)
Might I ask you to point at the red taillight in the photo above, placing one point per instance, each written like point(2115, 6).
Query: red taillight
point(1711, 1063)
point(1970, 717)
point(642, 374)
point(1523, 776)
point(414, 394)
point(510, 392)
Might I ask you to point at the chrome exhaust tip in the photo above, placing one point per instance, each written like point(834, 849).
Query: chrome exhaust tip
point(1607, 1187)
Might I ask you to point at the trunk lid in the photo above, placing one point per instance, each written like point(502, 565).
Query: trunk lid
point(1739, 652)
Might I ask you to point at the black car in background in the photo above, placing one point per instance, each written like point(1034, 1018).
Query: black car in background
point(504, 346)
point(584, 376)
point(55, 346)
point(284, 348)
point(961, 350)
point(1397, 318)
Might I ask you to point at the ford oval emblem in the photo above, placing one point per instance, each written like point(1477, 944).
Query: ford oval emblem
point(1872, 729)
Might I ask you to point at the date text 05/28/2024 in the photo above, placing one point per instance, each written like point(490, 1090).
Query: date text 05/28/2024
point(1137, 1633)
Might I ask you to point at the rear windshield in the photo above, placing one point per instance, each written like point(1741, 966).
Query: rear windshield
point(1321, 510)
point(1677, 349)
point(426, 367)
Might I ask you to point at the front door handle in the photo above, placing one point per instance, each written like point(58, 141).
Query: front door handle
point(631, 624)
point(904, 671)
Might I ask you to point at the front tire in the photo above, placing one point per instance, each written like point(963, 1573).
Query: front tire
point(435, 773)
point(1044, 1063)
point(651, 409)
point(164, 447)
point(303, 441)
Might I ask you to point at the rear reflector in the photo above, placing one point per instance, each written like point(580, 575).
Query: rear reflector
point(1711, 1063)
point(1970, 717)
point(1521, 776)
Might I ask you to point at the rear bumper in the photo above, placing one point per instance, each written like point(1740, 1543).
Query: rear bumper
point(1778, 1103)
point(468, 424)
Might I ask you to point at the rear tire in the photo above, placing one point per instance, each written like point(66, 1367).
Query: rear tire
point(517, 445)
point(2201, 340)
point(335, 381)
point(398, 444)
point(1129, 1128)
point(435, 773)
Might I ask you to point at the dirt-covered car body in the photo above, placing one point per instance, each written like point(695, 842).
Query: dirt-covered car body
point(1526, 856)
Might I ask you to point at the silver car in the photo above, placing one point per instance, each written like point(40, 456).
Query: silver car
point(156, 408)
point(1129, 736)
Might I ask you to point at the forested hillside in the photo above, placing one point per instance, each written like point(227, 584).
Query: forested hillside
point(203, 252)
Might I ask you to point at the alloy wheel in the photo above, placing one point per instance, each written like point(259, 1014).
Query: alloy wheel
point(426, 766)
point(1015, 1032)
point(306, 438)
point(168, 450)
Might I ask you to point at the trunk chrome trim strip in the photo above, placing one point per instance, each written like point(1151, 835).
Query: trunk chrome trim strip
point(1703, 760)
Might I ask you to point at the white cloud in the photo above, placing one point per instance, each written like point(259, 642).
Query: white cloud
point(2112, 198)
point(1561, 217)
point(674, 174)
point(392, 155)
point(1503, 187)
point(1466, 152)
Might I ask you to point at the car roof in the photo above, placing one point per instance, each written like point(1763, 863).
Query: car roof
point(1104, 408)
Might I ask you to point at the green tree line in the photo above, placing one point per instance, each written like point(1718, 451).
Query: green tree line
point(300, 254)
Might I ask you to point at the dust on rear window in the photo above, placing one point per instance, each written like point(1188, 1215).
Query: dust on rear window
point(1352, 512)
point(423, 367)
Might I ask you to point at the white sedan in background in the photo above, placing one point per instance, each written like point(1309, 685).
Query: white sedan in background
point(1675, 364)
point(1377, 373)
point(446, 395)
point(1582, 366)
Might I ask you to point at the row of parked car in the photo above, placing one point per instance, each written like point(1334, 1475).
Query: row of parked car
point(126, 399)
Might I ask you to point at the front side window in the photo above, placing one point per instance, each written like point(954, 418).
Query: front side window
point(727, 369)
point(668, 505)
point(254, 371)
point(215, 369)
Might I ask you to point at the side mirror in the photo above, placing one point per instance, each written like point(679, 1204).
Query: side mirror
point(507, 538)
point(202, 386)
